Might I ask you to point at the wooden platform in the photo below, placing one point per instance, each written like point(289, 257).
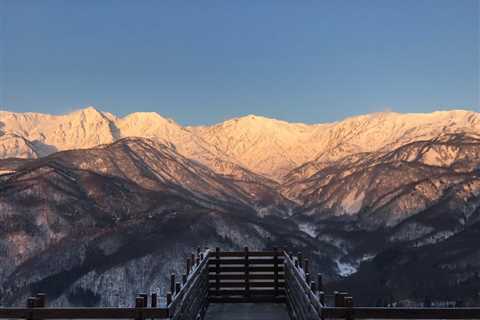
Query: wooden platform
point(247, 311)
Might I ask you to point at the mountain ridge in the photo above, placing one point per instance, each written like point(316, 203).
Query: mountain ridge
point(75, 221)
point(266, 146)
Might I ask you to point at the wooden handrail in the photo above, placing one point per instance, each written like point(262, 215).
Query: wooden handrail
point(83, 313)
point(401, 313)
point(305, 303)
point(246, 276)
point(190, 301)
point(240, 276)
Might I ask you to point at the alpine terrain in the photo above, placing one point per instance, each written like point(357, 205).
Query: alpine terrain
point(95, 208)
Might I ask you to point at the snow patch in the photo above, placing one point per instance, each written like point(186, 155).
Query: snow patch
point(345, 269)
point(308, 228)
point(352, 203)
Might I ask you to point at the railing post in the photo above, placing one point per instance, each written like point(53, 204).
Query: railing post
point(154, 300)
point(247, 278)
point(177, 288)
point(306, 266)
point(184, 278)
point(41, 300)
point(192, 259)
point(321, 297)
point(172, 283)
point(31, 303)
point(313, 286)
point(217, 271)
point(189, 266)
point(145, 299)
point(320, 282)
point(275, 270)
point(348, 303)
point(169, 299)
point(139, 304)
point(300, 260)
point(340, 299)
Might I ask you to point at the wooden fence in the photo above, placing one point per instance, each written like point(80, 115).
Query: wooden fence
point(186, 300)
point(302, 300)
point(246, 276)
point(306, 300)
point(240, 276)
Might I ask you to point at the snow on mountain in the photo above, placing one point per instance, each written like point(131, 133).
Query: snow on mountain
point(387, 188)
point(274, 147)
point(153, 166)
point(80, 129)
point(94, 227)
point(389, 130)
point(360, 186)
point(14, 146)
point(265, 146)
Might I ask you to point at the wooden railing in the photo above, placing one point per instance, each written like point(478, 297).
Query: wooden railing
point(240, 276)
point(302, 300)
point(190, 296)
point(83, 313)
point(246, 276)
point(306, 300)
point(400, 313)
point(186, 300)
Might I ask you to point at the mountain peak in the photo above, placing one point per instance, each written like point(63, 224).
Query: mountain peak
point(86, 110)
point(149, 116)
point(147, 120)
point(256, 121)
point(89, 113)
point(250, 118)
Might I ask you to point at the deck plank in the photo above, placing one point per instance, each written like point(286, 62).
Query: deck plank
point(247, 311)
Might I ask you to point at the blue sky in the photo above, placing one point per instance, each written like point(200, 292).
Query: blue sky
point(202, 62)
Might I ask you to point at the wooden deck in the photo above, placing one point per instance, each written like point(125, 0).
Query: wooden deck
point(247, 311)
point(239, 285)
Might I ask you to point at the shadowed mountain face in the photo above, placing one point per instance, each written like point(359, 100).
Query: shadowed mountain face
point(96, 225)
point(76, 223)
point(443, 271)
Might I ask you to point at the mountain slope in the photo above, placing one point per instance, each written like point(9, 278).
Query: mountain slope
point(443, 272)
point(95, 223)
point(273, 147)
point(95, 237)
point(399, 182)
point(80, 129)
point(265, 146)
point(14, 146)
point(155, 166)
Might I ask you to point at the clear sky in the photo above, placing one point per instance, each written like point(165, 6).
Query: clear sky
point(201, 62)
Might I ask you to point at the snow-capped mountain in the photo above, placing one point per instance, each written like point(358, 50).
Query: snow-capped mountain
point(275, 147)
point(91, 232)
point(92, 190)
point(48, 133)
point(265, 146)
